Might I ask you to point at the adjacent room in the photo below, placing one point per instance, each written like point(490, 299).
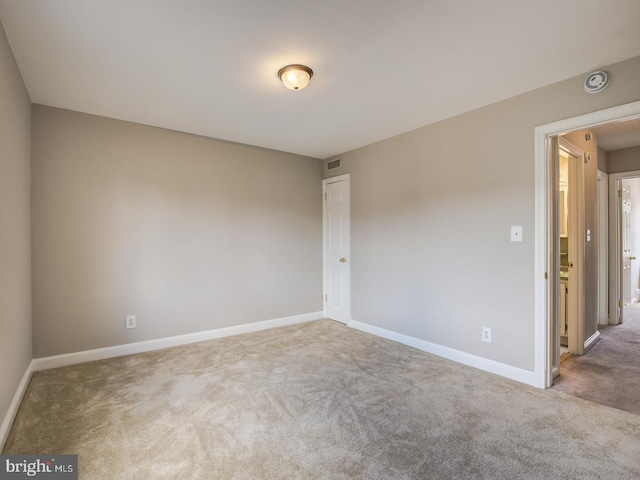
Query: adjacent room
point(254, 239)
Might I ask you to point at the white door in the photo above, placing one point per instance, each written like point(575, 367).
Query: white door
point(625, 222)
point(336, 241)
point(557, 305)
point(575, 242)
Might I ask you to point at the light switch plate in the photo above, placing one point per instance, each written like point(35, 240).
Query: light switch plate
point(516, 233)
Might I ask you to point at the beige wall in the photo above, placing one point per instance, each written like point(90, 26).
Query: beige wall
point(625, 160)
point(15, 248)
point(431, 214)
point(186, 232)
point(590, 261)
point(603, 164)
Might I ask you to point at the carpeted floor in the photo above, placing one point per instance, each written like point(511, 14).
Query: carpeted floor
point(609, 373)
point(315, 401)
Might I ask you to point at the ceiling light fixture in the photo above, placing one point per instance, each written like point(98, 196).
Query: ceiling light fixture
point(295, 77)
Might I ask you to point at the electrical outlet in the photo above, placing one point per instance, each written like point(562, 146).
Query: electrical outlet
point(130, 322)
point(486, 334)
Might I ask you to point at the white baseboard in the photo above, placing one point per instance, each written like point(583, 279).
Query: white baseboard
point(7, 421)
point(589, 342)
point(64, 360)
point(513, 373)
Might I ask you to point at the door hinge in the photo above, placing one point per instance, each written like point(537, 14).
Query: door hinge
point(546, 275)
point(325, 197)
point(620, 303)
point(620, 193)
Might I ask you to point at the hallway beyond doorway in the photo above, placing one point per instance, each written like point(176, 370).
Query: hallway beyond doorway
point(609, 374)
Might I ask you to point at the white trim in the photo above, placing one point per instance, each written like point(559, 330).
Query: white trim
point(588, 343)
point(513, 373)
point(64, 360)
point(337, 178)
point(603, 248)
point(542, 317)
point(10, 416)
point(542, 366)
point(614, 250)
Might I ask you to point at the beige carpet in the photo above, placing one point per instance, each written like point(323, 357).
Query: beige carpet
point(315, 401)
point(609, 373)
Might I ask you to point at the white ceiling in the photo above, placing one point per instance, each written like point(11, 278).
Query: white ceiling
point(381, 68)
point(616, 136)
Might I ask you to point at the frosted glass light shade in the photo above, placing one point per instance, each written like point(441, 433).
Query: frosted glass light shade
point(295, 77)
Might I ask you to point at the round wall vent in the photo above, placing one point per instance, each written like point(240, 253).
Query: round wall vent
point(596, 82)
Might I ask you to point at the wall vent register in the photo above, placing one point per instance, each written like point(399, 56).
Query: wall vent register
point(333, 164)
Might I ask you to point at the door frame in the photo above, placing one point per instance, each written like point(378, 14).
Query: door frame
point(603, 248)
point(325, 258)
point(615, 243)
point(545, 296)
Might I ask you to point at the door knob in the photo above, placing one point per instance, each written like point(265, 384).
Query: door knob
point(343, 260)
point(632, 258)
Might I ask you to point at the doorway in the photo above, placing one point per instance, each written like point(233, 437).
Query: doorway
point(571, 215)
point(624, 208)
point(575, 239)
point(607, 374)
point(547, 301)
point(336, 248)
